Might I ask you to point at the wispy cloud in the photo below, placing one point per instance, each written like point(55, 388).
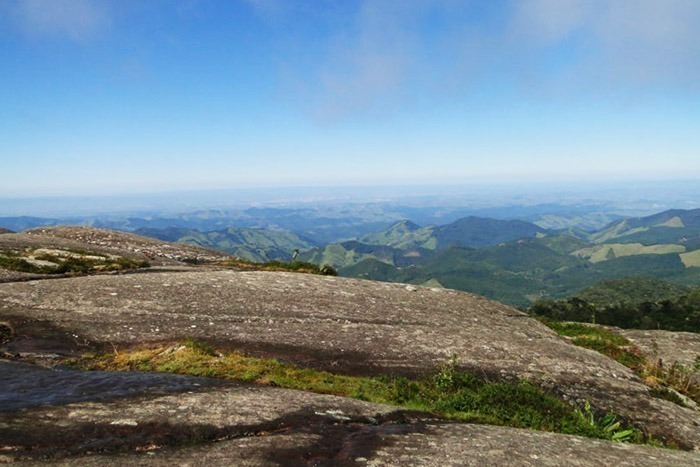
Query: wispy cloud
point(367, 64)
point(364, 59)
point(620, 44)
point(385, 54)
point(77, 20)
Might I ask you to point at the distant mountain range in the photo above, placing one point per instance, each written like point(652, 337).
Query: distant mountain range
point(469, 231)
point(257, 245)
point(336, 222)
point(514, 261)
point(518, 262)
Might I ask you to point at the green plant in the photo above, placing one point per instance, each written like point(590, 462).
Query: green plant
point(669, 380)
point(608, 424)
point(15, 261)
point(664, 380)
point(449, 393)
point(446, 378)
point(328, 270)
point(601, 340)
point(199, 346)
point(67, 262)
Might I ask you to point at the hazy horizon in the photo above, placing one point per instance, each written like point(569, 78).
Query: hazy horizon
point(656, 194)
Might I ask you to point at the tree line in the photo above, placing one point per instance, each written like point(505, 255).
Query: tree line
point(674, 314)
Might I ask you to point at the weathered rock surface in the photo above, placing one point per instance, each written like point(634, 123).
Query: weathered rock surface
point(351, 326)
point(670, 347)
point(338, 324)
point(14, 276)
point(109, 242)
point(148, 419)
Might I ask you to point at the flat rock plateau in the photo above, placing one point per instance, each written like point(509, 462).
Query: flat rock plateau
point(53, 414)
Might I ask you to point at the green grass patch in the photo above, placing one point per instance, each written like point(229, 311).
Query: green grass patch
point(65, 262)
point(691, 259)
point(586, 330)
point(629, 357)
point(13, 261)
point(665, 381)
point(608, 251)
point(601, 340)
point(450, 393)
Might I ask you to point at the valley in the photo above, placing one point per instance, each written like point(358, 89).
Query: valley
point(511, 260)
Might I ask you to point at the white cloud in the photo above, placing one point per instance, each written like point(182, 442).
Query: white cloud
point(78, 20)
point(380, 55)
point(365, 62)
point(623, 44)
point(655, 42)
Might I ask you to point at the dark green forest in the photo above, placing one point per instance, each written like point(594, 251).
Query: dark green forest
point(633, 303)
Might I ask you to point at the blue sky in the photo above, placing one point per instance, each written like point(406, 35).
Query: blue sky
point(119, 96)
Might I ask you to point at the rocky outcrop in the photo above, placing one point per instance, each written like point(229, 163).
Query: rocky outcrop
point(670, 347)
point(69, 418)
point(343, 325)
point(110, 242)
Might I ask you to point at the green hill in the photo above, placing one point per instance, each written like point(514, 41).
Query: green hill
point(563, 243)
point(512, 261)
point(373, 269)
point(607, 251)
point(403, 234)
point(258, 245)
point(676, 226)
point(474, 232)
point(517, 273)
point(344, 255)
point(632, 290)
point(481, 232)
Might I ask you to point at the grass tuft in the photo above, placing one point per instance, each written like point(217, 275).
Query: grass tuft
point(450, 393)
point(664, 380)
point(72, 262)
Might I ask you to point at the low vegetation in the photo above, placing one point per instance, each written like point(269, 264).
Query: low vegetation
point(44, 261)
point(666, 381)
point(293, 266)
point(449, 393)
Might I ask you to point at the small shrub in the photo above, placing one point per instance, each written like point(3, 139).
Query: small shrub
point(199, 346)
point(327, 270)
point(608, 425)
point(14, 261)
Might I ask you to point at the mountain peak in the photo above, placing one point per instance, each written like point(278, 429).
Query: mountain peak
point(404, 225)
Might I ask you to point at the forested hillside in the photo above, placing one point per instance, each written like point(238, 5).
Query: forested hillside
point(513, 261)
point(636, 303)
point(518, 262)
